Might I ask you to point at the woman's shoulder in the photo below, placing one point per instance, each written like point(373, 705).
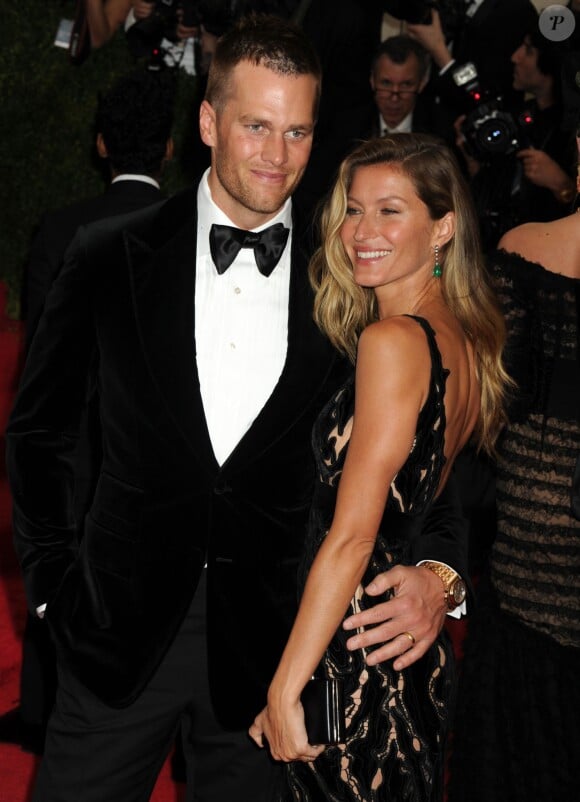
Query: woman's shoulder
point(399, 331)
point(520, 239)
point(553, 247)
point(401, 344)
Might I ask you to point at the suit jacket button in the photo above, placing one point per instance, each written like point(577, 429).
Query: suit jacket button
point(221, 487)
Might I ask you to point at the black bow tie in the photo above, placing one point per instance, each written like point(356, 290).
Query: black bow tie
point(225, 243)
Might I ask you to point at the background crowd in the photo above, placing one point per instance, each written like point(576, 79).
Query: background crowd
point(511, 121)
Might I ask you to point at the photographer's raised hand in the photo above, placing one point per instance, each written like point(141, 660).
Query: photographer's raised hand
point(432, 38)
point(142, 8)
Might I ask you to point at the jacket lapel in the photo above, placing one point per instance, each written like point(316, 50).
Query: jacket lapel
point(163, 284)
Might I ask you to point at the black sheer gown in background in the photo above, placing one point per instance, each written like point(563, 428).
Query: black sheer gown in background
point(396, 720)
point(517, 733)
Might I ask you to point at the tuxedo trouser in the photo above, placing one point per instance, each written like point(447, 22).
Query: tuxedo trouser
point(95, 753)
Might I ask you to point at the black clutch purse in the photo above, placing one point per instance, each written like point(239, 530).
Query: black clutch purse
point(324, 713)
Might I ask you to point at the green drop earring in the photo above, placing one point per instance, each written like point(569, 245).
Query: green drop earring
point(437, 269)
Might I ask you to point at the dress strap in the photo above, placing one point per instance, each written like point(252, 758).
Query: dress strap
point(439, 373)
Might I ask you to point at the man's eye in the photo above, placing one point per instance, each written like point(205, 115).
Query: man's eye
point(296, 134)
point(254, 127)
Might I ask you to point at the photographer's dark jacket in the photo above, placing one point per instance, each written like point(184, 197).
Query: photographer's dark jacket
point(163, 507)
point(535, 203)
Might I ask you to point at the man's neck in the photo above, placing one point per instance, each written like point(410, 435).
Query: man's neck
point(544, 96)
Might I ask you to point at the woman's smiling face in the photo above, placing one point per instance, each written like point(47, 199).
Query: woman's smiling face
point(388, 233)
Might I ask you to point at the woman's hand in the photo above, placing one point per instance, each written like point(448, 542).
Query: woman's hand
point(282, 729)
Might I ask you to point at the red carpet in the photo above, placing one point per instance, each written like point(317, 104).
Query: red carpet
point(17, 768)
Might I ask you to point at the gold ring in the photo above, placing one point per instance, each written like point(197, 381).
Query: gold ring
point(411, 637)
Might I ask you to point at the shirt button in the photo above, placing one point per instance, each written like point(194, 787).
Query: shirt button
point(237, 290)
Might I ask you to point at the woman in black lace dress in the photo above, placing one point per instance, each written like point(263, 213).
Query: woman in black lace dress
point(400, 285)
point(517, 732)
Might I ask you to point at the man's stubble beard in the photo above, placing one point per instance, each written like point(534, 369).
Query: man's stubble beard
point(259, 203)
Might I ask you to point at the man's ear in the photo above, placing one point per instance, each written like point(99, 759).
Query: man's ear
point(207, 124)
point(101, 147)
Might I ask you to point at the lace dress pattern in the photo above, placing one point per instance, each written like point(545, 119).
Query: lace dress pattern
point(537, 548)
point(396, 720)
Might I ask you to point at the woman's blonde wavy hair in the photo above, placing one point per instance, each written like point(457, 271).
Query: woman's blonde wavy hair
point(343, 309)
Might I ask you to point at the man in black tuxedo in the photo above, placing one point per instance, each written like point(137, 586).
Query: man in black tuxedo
point(133, 139)
point(178, 601)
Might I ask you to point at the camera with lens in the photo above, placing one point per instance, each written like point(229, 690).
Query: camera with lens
point(489, 128)
point(146, 34)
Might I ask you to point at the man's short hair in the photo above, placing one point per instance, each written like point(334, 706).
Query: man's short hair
point(264, 40)
point(135, 118)
point(399, 48)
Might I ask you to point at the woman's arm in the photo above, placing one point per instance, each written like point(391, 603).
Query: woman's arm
point(392, 381)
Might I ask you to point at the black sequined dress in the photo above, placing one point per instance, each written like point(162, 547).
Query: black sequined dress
point(517, 732)
point(396, 720)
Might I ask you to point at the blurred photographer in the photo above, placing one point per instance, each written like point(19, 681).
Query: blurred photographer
point(165, 31)
point(522, 158)
point(169, 26)
point(484, 32)
point(105, 17)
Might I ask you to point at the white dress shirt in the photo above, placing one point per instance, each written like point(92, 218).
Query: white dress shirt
point(145, 179)
point(241, 329)
point(404, 127)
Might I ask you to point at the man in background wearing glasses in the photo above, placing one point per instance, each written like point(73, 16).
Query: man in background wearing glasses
point(399, 73)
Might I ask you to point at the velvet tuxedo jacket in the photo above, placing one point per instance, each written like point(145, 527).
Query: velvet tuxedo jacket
point(123, 305)
point(58, 228)
point(54, 235)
